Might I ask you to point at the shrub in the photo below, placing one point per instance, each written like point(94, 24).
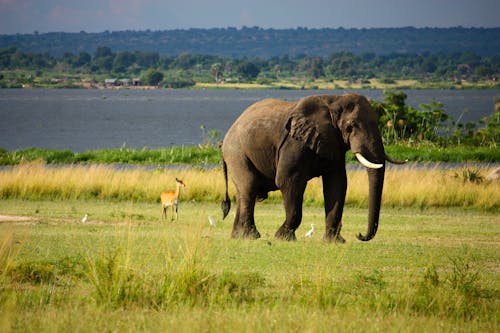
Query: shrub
point(177, 83)
point(470, 175)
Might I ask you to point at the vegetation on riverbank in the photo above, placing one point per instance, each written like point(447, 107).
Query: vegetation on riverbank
point(55, 79)
point(211, 155)
point(344, 84)
point(340, 70)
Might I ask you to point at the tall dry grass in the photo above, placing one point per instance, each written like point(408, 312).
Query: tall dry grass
point(36, 180)
point(406, 187)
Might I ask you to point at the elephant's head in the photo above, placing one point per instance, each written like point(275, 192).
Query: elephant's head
point(331, 125)
point(358, 124)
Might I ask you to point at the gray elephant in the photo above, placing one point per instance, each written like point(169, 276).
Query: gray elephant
point(280, 145)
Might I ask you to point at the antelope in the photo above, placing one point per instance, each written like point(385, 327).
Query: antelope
point(171, 199)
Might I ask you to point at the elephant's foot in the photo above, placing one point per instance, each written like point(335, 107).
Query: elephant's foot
point(334, 239)
point(285, 234)
point(248, 233)
point(334, 236)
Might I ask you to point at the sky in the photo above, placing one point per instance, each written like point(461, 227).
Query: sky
point(28, 16)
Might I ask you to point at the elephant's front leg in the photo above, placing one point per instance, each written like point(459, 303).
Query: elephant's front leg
point(293, 196)
point(334, 191)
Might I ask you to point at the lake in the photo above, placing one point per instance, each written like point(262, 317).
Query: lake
point(81, 120)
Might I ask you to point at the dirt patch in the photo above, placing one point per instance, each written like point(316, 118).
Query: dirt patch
point(19, 219)
point(16, 218)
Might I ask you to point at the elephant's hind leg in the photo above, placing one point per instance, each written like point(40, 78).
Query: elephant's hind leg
point(246, 181)
point(244, 223)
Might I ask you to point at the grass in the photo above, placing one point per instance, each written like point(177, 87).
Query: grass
point(191, 155)
point(301, 83)
point(126, 270)
point(424, 152)
point(434, 264)
point(404, 187)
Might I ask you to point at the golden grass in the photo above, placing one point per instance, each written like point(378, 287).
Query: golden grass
point(302, 83)
point(404, 187)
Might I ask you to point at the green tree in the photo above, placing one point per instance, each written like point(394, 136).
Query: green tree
point(398, 121)
point(123, 61)
point(216, 71)
point(83, 59)
point(312, 66)
point(248, 70)
point(103, 64)
point(153, 77)
point(103, 51)
point(342, 65)
point(147, 59)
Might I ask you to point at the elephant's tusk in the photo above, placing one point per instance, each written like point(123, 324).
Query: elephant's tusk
point(393, 161)
point(367, 163)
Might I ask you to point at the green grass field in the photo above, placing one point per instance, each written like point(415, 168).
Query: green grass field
point(126, 270)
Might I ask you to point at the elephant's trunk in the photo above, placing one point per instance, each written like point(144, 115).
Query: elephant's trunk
point(376, 184)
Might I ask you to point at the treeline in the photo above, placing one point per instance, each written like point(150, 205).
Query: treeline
point(186, 69)
point(255, 42)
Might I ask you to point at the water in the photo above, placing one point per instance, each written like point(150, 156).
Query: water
point(80, 120)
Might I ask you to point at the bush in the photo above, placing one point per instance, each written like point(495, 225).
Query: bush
point(399, 122)
point(153, 77)
point(177, 83)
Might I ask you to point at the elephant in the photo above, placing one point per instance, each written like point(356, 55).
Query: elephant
point(281, 145)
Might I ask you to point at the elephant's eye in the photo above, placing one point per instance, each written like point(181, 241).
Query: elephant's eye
point(349, 129)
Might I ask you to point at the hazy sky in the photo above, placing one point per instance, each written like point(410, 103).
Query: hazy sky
point(26, 16)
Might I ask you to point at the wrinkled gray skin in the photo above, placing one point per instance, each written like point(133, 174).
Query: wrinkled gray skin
point(280, 145)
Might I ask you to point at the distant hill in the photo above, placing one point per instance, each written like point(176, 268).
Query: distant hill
point(266, 43)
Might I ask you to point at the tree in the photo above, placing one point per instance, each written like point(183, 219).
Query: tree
point(123, 61)
point(147, 59)
point(216, 71)
point(248, 70)
point(103, 64)
point(312, 66)
point(398, 121)
point(83, 59)
point(153, 77)
point(342, 65)
point(103, 51)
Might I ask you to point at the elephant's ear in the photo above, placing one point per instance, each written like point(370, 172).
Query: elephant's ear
point(310, 122)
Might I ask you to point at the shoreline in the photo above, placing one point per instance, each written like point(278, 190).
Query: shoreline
point(373, 84)
point(345, 84)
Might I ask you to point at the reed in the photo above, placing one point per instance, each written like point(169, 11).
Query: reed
point(405, 187)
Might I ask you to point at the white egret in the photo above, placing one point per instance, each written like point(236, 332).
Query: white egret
point(85, 218)
point(211, 221)
point(311, 231)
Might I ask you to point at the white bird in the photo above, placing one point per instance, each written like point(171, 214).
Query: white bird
point(85, 218)
point(310, 232)
point(211, 221)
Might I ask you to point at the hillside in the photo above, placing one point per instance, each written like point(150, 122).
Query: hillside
point(266, 43)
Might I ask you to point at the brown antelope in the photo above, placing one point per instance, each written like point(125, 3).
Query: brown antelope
point(171, 199)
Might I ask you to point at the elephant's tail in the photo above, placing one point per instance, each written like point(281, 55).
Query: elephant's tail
point(225, 205)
